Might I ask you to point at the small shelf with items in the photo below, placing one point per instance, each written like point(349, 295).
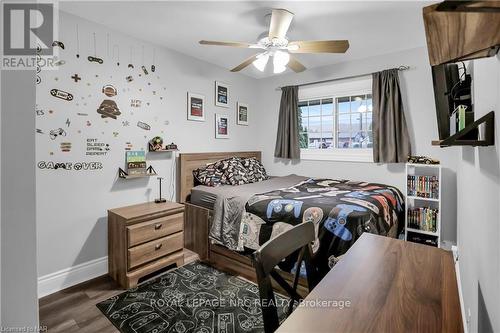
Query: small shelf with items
point(149, 173)
point(155, 145)
point(423, 204)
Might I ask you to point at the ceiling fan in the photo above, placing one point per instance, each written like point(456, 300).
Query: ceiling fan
point(277, 46)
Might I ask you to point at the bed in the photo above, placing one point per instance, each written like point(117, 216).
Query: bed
point(223, 224)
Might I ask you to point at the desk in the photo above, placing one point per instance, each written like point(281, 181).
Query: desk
point(392, 286)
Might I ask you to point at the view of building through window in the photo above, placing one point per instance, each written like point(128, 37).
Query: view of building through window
point(336, 122)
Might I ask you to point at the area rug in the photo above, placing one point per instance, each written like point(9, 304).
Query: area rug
point(194, 298)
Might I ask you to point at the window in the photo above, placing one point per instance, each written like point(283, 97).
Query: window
point(335, 122)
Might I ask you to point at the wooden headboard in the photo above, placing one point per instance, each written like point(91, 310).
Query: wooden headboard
point(192, 161)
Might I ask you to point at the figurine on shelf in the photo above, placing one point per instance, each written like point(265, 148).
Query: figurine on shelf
point(171, 146)
point(156, 144)
point(421, 160)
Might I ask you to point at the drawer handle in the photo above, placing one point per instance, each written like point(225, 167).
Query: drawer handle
point(158, 226)
point(158, 246)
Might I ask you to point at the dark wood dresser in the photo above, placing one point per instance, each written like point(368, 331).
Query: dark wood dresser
point(144, 238)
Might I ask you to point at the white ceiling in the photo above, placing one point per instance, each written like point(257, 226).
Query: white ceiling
point(372, 27)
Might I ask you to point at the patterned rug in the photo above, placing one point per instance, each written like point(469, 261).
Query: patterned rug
point(194, 298)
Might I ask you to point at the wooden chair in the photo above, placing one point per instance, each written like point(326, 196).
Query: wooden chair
point(269, 255)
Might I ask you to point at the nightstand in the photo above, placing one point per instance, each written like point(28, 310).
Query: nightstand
point(144, 238)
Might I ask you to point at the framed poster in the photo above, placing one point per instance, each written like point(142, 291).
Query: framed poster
point(196, 107)
point(221, 126)
point(242, 114)
point(221, 94)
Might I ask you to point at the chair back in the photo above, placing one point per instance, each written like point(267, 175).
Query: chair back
point(265, 259)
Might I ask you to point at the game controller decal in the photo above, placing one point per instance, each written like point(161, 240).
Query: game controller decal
point(283, 207)
point(143, 125)
point(76, 78)
point(95, 59)
point(144, 70)
point(77, 166)
point(61, 94)
point(337, 220)
point(57, 132)
point(362, 203)
point(108, 109)
point(58, 43)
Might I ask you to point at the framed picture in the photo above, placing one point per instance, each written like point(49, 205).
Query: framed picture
point(221, 94)
point(196, 107)
point(221, 126)
point(242, 114)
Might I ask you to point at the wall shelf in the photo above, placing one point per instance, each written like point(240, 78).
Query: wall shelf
point(456, 139)
point(151, 150)
point(149, 173)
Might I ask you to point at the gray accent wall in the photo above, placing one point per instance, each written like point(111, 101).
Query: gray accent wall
point(478, 202)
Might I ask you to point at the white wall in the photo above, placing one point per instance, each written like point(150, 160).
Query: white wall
point(479, 209)
point(416, 85)
point(71, 205)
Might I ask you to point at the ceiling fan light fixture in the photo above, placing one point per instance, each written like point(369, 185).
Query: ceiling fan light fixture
point(279, 69)
point(281, 58)
point(261, 61)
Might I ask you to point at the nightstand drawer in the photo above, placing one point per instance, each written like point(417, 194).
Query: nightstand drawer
point(146, 231)
point(144, 253)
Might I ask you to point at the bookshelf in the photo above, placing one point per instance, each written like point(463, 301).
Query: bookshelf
point(423, 204)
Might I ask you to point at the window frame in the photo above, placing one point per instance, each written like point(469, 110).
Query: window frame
point(335, 90)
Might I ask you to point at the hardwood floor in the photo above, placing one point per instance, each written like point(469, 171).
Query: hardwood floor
point(73, 309)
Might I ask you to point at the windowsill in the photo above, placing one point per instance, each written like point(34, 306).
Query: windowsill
point(340, 155)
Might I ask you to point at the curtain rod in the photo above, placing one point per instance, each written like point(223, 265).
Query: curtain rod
point(400, 68)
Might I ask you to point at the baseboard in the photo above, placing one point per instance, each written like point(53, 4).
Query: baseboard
point(456, 259)
point(71, 276)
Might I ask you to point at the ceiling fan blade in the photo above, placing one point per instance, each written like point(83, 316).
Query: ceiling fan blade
point(295, 65)
point(280, 22)
point(232, 44)
point(319, 46)
point(244, 63)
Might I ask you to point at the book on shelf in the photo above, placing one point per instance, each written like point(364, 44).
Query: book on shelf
point(423, 218)
point(423, 186)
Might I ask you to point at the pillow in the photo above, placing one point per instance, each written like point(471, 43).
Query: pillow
point(209, 175)
point(234, 173)
point(255, 170)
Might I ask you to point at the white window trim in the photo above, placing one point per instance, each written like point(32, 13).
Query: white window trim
point(335, 90)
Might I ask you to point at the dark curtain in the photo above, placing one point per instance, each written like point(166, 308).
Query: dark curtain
point(391, 143)
point(287, 139)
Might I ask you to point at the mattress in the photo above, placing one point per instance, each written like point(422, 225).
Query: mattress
point(206, 196)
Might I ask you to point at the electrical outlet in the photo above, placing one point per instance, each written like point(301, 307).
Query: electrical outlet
point(468, 319)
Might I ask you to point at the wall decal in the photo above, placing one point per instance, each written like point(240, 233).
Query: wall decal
point(135, 103)
point(109, 90)
point(61, 94)
point(39, 111)
point(89, 123)
point(221, 94)
point(77, 43)
point(59, 62)
point(117, 49)
point(58, 43)
point(196, 107)
point(153, 68)
point(144, 70)
point(125, 123)
point(129, 78)
point(68, 122)
point(242, 114)
point(108, 109)
point(38, 79)
point(95, 59)
point(143, 125)
point(65, 147)
point(39, 131)
point(57, 132)
point(129, 146)
point(76, 78)
point(56, 79)
point(82, 114)
point(115, 134)
point(130, 66)
point(77, 166)
point(96, 147)
point(221, 126)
